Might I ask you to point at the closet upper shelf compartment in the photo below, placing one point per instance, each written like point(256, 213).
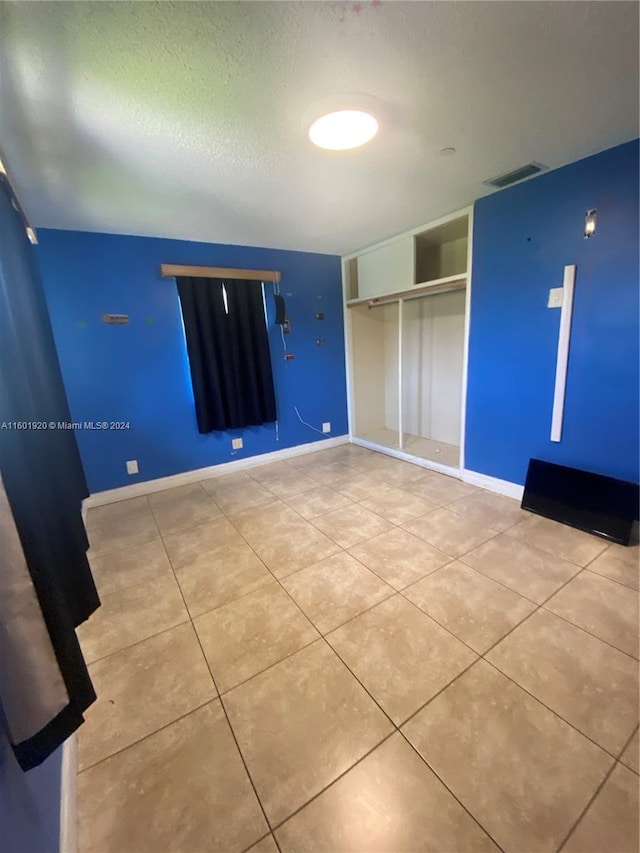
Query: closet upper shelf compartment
point(431, 256)
point(442, 252)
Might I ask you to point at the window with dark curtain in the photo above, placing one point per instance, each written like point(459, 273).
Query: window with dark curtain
point(228, 349)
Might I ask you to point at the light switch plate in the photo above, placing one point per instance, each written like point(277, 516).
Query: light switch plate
point(555, 297)
point(237, 443)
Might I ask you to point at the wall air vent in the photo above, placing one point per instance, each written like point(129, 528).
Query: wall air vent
point(517, 175)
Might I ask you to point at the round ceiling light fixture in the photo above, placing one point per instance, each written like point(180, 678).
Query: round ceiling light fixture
point(343, 129)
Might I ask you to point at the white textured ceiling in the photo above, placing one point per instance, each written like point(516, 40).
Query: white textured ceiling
point(187, 119)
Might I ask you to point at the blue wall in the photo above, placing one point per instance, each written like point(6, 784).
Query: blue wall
point(523, 237)
point(139, 372)
point(29, 804)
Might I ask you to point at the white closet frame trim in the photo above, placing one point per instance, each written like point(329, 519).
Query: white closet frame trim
point(465, 353)
point(400, 406)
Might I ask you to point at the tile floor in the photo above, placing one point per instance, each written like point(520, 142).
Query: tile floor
point(345, 652)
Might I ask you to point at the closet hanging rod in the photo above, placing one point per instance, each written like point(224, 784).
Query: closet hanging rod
point(179, 270)
point(409, 294)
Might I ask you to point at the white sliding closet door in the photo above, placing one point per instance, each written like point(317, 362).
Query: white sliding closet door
point(375, 358)
point(447, 351)
point(432, 360)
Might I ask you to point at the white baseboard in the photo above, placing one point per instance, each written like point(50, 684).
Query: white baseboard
point(68, 839)
point(493, 484)
point(407, 457)
point(149, 486)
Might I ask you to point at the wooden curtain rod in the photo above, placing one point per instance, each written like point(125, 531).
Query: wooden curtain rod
point(178, 270)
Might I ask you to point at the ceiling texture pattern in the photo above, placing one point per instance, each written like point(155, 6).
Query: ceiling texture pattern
point(189, 119)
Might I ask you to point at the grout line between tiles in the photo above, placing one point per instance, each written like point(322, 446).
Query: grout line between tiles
point(470, 813)
point(260, 840)
point(137, 642)
point(597, 791)
point(555, 713)
point(587, 631)
point(222, 705)
point(613, 580)
point(333, 782)
point(188, 713)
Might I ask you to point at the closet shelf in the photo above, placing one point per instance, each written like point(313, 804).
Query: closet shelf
point(436, 285)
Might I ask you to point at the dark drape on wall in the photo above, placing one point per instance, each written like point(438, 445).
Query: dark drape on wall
point(44, 482)
point(228, 350)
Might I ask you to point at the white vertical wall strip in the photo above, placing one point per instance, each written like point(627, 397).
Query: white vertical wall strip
point(400, 406)
point(564, 336)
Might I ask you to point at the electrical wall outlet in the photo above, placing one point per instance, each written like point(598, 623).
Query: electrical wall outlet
point(132, 466)
point(326, 426)
point(237, 443)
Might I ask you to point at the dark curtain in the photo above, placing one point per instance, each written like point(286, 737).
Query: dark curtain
point(228, 350)
point(43, 478)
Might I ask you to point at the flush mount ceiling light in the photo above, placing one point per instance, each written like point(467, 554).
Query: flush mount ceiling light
point(343, 129)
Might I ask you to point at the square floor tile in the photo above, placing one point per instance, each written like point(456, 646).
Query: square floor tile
point(99, 515)
point(141, 689)
point(335, 589)
point(300, 545)
point(397, 505)
point(317, 501)
point(630, 755)
point(327, 473)
point(389, 802)
point(602, 607)
point(130, 615)
point(357, 486)
point(187, 545)
point(440, 489)
point(255, 522)
point(473, 607)
point(399, 557)
point(117, 570)
point(237, 492)
point(571, 671)
point(221, 575)
point(124, 531)
point(352, 524)
point(620, 563)
point(559, 539)
point(271, 470)
point(185, 783)
point(496, 511)
point(399, 473)
point(521, 771)
point(175, 509)
point(301, 724)
point(291, 483)
point(611, 821)
point(246, 636)
point(527, 570)
point(400, 655)
point(449, 532)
